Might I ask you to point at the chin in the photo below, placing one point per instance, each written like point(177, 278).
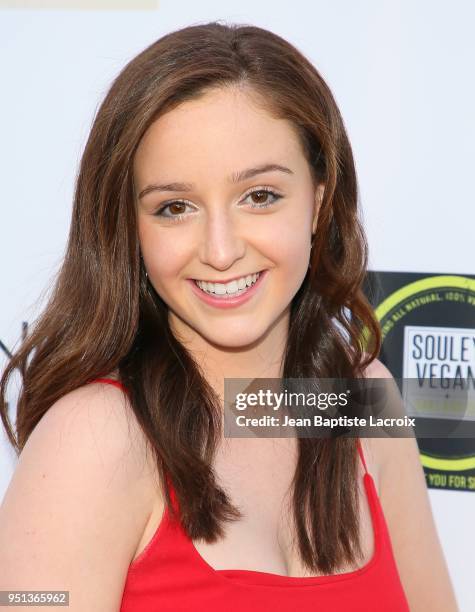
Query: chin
point(233, 338)
point(232, 341)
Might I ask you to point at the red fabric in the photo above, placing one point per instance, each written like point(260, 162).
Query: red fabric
point(171, 576)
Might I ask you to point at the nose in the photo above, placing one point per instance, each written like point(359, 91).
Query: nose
point(221, 245)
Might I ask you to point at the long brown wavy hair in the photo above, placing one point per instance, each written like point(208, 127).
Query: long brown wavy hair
point(103, 314)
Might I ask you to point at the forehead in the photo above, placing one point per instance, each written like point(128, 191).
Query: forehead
point(216, 134)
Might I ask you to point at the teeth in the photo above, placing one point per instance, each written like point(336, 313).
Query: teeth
point(235, 287)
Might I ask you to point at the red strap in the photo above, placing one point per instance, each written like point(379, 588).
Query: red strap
point(171, 491)
point(109, 381)
point(360, 450)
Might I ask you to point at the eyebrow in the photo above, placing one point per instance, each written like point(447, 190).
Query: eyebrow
point(236, 177)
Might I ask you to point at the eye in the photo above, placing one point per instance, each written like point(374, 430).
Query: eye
point(176, 208)
point(262, 195)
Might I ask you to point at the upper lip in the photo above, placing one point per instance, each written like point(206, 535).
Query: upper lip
point(228, 280)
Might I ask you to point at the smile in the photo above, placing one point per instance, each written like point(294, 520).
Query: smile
point(232, 294)
point(233, 288)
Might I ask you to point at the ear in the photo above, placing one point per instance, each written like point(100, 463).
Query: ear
point(318, 202)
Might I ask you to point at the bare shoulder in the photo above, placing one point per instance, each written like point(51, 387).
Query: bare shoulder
point(83, 477)
point(408, 514)
point(99, 422)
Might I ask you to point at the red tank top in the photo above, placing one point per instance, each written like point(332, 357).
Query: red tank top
point(169, 575)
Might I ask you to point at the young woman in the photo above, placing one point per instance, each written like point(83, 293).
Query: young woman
point(214, 235)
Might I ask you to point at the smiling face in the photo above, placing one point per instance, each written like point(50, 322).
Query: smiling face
point(228, 223)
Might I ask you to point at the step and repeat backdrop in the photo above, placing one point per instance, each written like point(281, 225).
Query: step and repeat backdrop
point(401, 73)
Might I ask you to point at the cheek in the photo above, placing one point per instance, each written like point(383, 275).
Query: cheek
point(288, 239)
point(159, 250)
point(294, 253)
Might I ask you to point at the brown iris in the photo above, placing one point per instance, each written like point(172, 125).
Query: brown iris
point(173, 205)
point(261, 192)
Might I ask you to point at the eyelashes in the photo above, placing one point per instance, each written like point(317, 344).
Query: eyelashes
point(178, 217)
